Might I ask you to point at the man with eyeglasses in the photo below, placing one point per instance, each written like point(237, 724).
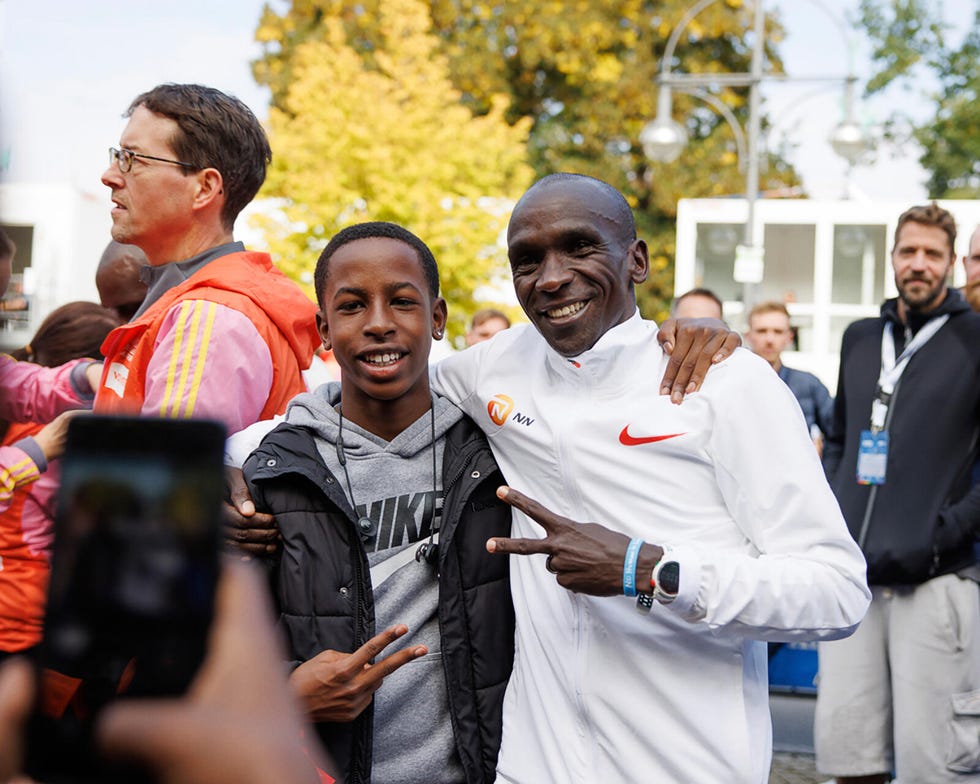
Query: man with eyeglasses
point(221, 333)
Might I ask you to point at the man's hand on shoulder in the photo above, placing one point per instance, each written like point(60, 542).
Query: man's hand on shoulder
point(694, 345)
point(247, 532)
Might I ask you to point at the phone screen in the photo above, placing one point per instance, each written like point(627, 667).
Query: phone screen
point(133, 574)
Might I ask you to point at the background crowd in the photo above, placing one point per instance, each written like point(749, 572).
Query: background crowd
point(468, 561)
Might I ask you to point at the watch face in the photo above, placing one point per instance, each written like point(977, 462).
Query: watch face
point(669, 577)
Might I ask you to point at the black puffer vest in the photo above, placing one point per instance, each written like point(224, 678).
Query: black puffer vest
point(336, 611)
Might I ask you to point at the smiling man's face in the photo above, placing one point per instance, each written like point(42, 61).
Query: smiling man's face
point(574, 264)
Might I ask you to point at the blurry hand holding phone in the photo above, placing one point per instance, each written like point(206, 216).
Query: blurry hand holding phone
point(133, 577)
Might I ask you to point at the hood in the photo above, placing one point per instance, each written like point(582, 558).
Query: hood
point(317, 412)
point(952, 304)
point(293, 313)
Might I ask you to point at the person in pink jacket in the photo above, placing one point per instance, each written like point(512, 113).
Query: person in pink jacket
point(29, 475)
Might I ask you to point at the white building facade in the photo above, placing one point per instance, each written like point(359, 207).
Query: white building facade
point(829, 261)
point(60, 233)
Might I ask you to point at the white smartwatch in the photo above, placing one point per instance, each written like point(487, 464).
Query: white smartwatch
point(665, 582)
point(666, 579)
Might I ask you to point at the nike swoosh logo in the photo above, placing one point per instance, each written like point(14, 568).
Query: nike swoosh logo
point(627, 440)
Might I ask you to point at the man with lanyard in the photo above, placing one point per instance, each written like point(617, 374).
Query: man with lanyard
point(901, 694)
point(221, 333)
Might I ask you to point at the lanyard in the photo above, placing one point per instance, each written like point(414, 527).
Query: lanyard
point(892, 368)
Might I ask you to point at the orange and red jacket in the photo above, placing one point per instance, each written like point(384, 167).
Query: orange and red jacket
point(245, 282)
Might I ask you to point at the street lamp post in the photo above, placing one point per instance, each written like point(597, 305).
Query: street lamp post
point(847, 139)
point(663, 139)
point(753, 276)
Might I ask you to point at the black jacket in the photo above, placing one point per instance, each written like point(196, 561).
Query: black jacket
point(923, 521)
point(476, 615)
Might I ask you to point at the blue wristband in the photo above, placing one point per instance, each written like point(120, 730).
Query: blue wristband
point(629, 566)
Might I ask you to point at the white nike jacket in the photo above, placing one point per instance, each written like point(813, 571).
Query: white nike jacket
point(601, 693)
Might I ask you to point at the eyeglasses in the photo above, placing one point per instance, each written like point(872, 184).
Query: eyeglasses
point(124, 158)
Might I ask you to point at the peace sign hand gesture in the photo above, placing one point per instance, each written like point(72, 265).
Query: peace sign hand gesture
point(336, 686)
point(585, 557)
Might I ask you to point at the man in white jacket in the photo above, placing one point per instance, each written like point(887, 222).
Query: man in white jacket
point(744, 541)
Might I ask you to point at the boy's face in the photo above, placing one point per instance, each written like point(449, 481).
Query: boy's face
point(379, 318)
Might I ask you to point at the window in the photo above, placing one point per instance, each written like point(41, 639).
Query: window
point(789, 263)
point(859, 264)
point(715, 258)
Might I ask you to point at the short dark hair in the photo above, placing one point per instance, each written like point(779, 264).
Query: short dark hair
point(485, 314)
point(72, 331)
point(929, 215)
point(215, 131)
point(697, 292)
point(774, 306)
point(623, 211)
point(362, 231)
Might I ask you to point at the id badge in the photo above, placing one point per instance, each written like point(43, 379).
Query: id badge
point(872, 458)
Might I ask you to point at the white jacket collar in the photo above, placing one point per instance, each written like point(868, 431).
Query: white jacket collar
point(612, 355)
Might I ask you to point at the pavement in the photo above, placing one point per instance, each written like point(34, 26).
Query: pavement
point(794, 768)
point(792, 740)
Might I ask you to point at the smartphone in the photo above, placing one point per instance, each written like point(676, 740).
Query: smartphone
point(133, 574)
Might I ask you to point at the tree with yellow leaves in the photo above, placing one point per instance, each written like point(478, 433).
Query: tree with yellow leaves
point(584, 72)
point(389, 138)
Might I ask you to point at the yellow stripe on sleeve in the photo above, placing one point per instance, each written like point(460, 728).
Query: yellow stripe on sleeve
point(205, 342)
point(185, 364)
point(174, 356)
point(19, 473)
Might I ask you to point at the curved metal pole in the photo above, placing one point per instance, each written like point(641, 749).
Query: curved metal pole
point(844, 34)
point(722, 108)
point(675, 34)
point(786, 114)
point(753, 80)
point(697, 8)
point(755, 129)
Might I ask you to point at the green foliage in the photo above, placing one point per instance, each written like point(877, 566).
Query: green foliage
point(904, 34)
point(577, 79)
point(909, 41)
point(390, 139)
point(952, 140)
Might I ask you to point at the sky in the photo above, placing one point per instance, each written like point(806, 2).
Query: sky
point(69, 68)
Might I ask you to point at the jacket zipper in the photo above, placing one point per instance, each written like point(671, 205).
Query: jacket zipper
point(468, 459)
point(356, 771)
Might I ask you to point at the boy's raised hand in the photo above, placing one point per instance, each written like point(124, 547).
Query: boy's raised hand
point(337, 687)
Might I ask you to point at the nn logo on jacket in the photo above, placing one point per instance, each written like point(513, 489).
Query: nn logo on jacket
point(500, 408)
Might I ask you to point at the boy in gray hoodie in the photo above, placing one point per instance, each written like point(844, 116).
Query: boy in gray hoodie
point(384, 495)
